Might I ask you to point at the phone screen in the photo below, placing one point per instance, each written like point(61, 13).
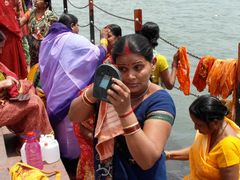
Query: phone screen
point(105, 81)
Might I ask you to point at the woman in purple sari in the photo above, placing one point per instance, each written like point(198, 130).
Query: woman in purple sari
point(67, 63)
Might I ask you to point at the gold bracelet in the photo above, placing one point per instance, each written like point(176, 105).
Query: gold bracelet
point(168, 155)
point(134, 124)
point(87, 99)
point(104, 42)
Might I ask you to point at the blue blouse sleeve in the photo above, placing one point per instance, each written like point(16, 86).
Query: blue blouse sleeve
point(159, 105)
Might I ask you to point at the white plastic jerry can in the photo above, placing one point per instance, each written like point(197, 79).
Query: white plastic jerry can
point(23, 153)
point(50, 148)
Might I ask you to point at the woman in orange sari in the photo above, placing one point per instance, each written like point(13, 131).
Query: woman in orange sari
point(215, 152)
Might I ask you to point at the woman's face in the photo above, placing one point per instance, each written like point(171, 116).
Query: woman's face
point(135, 72)
point(39, 4)
point(75, 28)
point(200, 125)
point(111, 40)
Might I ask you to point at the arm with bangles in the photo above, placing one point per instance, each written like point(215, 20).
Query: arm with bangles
point(152, 137)
point(82, 107)
point(103, 39)
point(10, 79)
point(181, 154)
point(24, 19)
point(7, 83)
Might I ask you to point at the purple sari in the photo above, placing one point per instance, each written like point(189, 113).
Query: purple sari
point(67, 63)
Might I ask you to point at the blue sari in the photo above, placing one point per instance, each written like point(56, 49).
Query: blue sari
point(123, 166)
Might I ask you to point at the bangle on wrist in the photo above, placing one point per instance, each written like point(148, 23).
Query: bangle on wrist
point(85, 101)
point(87, 98)
point(132, 129)
point(126, 114)
point(168, 155)
point(104, 42)
point(134, 124)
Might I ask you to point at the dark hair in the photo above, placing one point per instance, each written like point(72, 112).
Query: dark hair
point(208, 108)
point(48, 3)
point(115, 29)
point(135, 43)
point(151, 31)
point(68, 19)
point(2, 36)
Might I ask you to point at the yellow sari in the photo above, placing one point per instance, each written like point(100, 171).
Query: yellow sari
point(32, 77)
point(205, 165)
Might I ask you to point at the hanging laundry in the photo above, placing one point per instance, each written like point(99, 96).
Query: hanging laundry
point(183, 71)
point(201, 73)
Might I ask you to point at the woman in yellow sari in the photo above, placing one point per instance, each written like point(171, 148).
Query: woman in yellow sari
point(215, 152)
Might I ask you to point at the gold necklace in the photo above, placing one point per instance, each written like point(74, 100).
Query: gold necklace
point(223, 129)
point(213, 141)
point(145, 92)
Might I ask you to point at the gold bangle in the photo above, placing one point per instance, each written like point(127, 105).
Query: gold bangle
point(130, 125)
point(168, 155)
point(104, 41)
point(87, 99)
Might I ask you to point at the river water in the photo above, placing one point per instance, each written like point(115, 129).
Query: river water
point(204, 27)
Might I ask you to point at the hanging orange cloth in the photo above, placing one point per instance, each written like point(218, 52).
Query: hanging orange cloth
point(214, 77)
point(228, 78)
point(183, 71)
point(201, 73)
point(221, 78)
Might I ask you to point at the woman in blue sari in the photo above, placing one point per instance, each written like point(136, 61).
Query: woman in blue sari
point(132, 131)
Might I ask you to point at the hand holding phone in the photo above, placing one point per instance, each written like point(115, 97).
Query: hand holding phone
point(103, 80)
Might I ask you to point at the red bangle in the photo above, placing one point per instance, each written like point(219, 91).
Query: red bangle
point(126, 114)
point(132, 129)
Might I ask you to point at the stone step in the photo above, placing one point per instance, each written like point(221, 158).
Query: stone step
point(4, 159)
point(9, 156)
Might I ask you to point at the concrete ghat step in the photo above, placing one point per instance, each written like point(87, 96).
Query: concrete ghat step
point(9, 156)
